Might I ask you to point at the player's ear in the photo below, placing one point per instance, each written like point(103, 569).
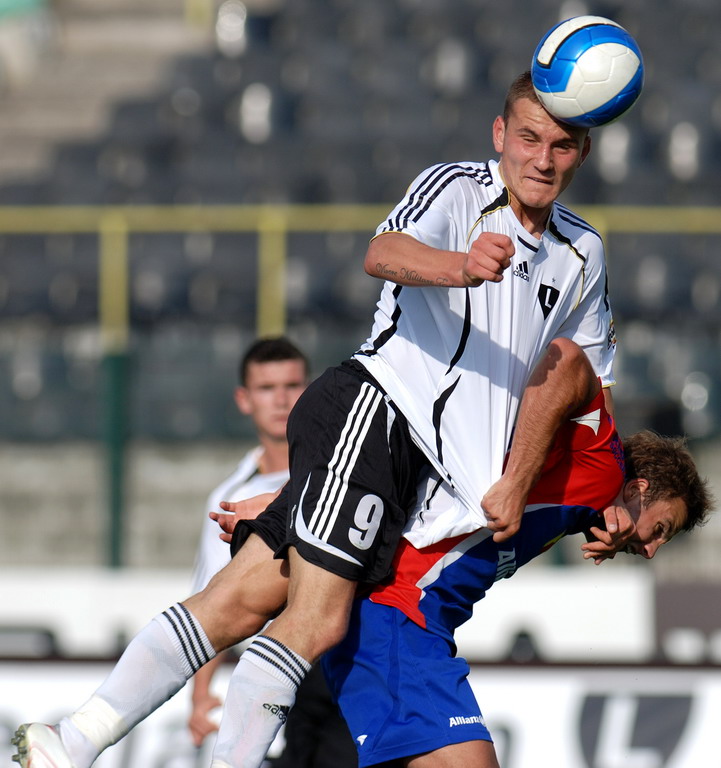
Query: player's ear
point(499, 132)
point(585, 149)
point(242, 400)
point(633, 488)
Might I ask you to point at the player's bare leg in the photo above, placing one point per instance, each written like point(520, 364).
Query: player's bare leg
point(263, 686)
point(242, 596)
point(469, 754)
point(165, 654)
point(319, 604)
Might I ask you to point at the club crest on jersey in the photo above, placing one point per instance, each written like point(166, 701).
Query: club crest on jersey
point(547, 298)
point(522, 271)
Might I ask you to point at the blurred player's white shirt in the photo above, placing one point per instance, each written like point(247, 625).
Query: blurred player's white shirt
point(456, 360)
point(244, 483)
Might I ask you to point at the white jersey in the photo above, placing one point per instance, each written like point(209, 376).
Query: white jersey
point(244, 483)
point(456, 360)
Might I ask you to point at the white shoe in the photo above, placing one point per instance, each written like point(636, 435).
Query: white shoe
point(39, 746)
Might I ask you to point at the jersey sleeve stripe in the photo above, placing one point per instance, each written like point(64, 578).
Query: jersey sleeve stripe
point(428, 189)
point(567, 215)
point(556, 232)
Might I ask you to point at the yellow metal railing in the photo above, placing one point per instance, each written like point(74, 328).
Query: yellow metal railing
point(114, 225)
point(632, 219)
point(272, 224)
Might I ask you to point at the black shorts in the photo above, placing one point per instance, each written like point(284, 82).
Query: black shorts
point(354, 470)
point(271, 525)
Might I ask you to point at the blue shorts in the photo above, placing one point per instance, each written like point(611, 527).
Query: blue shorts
point(400, 688)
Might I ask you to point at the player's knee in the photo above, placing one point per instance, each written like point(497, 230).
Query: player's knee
point(334, 631)
point(227, 614)
point(319, 605)
point(314, 633)
point(245, 620)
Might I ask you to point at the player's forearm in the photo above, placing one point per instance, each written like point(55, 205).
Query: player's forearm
point(537, 423)
point(404, 260)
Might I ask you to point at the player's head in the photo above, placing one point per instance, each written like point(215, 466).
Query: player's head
point(539, 154)
point(663, 492)
point(272, 374)
point(271, 349)
point(522, 88)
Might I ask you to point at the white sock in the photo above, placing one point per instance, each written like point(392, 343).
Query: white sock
point(261, 692)
point(154, 667)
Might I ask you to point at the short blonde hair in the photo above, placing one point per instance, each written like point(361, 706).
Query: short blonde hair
point(520, 88)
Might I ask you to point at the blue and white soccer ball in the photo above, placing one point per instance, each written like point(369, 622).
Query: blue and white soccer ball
point(587, 71)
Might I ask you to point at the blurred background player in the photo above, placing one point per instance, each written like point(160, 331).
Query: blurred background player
point(271, 376)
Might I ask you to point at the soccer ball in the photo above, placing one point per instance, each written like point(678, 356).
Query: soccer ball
point(587, 71)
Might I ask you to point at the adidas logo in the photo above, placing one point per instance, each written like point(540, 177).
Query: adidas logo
point(522, 271)
point(279, 710)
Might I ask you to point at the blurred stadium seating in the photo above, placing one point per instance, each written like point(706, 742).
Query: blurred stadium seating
point(128, 103)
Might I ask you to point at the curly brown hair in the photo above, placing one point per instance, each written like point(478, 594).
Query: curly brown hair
point(668, 467)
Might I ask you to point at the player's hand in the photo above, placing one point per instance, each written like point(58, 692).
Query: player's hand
point(200, 725)
point(617, 530)
point(488, 258)
point(503, 506)
point(233, 511)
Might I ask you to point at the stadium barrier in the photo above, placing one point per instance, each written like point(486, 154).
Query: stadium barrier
point(272, 225)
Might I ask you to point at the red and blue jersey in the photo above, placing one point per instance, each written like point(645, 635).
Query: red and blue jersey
point(437, 586)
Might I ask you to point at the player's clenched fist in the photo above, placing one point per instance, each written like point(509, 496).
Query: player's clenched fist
point(503, 506)
point(489, 256)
